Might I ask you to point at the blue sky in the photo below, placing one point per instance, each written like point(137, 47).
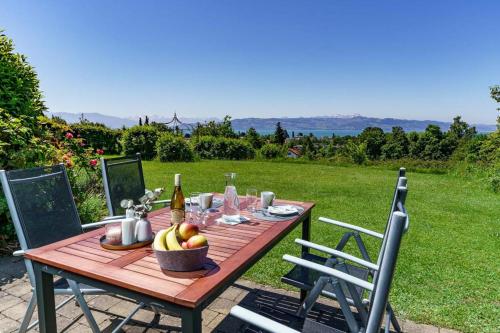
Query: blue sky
point(404, 59)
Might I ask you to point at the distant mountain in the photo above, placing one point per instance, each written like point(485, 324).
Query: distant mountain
point(337, 122)
point(355, 122)
point(118, 122)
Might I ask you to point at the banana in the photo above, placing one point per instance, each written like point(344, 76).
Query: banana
point(172, 242)
point(160, 242)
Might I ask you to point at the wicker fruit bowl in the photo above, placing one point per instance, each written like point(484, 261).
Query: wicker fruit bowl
point(182, 260)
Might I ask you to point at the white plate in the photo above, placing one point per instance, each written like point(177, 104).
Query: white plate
point(282, 210)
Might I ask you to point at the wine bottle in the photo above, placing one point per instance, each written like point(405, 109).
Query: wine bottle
point(177, 205)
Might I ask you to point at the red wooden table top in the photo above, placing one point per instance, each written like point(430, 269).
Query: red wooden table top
point(231, 248)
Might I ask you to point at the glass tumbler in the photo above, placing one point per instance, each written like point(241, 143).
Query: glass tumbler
point(251, 200)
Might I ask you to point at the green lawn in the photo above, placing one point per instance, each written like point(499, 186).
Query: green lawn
point(448, 271)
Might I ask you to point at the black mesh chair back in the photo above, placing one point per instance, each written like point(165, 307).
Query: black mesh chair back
point(123, 179)
point(44, 204)
point(383, 280)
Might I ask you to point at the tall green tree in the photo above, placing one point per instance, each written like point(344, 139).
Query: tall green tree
point(495, 94)
point(397, 144)
point(280, 134)
point(374, 137)
point(253, 138)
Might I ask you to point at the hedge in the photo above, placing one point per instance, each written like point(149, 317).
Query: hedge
point(209, 147)
point(99, 137)
point(140, 139)
point(172, 148)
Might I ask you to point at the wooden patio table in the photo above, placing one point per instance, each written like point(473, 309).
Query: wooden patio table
point(137, 275)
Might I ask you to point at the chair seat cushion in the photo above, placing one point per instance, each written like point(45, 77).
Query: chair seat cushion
point(305, 278)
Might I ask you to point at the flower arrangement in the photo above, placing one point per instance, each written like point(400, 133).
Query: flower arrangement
point(146, 202)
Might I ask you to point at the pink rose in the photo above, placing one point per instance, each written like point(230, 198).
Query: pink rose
point(93, 162)
point(100, 152)
point(69, 136)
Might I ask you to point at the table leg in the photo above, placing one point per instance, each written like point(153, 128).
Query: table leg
point(306, 235)
point(45, 296)
point(191, 321)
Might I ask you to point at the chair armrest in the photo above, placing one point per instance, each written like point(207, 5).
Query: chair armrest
point(259, 320)
point(329, 271)
point(18, 253)
point(157, 202)
point(337, 253)
point(116, 217)
point(98, 224)
point(352, 227)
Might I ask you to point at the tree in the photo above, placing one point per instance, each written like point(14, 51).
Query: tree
point(397, 145)
point(253, 138)
point(280, 134)
point(495, 94)
point(19, 88)
point(374, 137)
point(460, 129)
point(213, 128)
point(146, 121)
point(140, 121)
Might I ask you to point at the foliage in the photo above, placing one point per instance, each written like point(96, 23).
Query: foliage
point(215, 129)
point(280, 134)
point(374, 138)
point(20, 94)
point(253, 138)
point(98, 136)
point(209, 147)
point(172, 148)
point(495, 95)
point(357, 152)
point(396, 146)
point(270, 151)
point(140, 139)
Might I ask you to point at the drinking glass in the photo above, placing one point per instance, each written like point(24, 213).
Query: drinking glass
point(251, 199)
point(194, 206)
point(205, 203)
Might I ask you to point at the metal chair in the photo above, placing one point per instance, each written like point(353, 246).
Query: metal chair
point(43, 211)
point(379, 288)
point(313, 281)
point(123, 179)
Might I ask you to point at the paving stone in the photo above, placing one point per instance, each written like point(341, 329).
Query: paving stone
point(77, 328)
point(216, 321)
point(8, 325)
point(170, 321)
point(104, 302)
point(411, 327)
point(9, 301)
point(16, 312)
point(208, 315)
point(19, 289)
point(122, 308)
point(221, 305)
point(70, 311)
point(231, 293)
point(98, 316)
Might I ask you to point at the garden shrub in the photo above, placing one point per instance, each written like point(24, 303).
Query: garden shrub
point(270, 151)
point(209, 147)
point(98, 136)
point(172, 148)
point(140, 139)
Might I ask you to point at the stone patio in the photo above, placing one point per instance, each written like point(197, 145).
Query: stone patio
point(15, 291)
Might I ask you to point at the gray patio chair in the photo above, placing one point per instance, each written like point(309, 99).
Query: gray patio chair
point(310, 280)
point(380, 288)
point(123, 179)
point(43, 211)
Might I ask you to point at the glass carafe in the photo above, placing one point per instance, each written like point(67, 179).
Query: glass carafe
point(231, 201)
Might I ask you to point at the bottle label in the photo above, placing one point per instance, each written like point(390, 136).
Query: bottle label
point(177, 215)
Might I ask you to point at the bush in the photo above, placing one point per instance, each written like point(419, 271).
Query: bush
point(209, 147)
point(172, 148)
point(99, 137)
point(140, 139)
point(92, 208)
point(270, 151)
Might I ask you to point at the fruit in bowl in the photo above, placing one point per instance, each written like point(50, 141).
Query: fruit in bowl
point(180, 248)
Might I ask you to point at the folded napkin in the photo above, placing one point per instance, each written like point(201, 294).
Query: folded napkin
point(232, 220)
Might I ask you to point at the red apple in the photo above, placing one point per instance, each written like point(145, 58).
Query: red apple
point(185, 245)
point(188, 230)
point(197, 241)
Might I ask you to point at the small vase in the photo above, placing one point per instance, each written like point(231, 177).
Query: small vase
point(143, 231)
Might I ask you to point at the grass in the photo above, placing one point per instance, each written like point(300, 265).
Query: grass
point(448, 269)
